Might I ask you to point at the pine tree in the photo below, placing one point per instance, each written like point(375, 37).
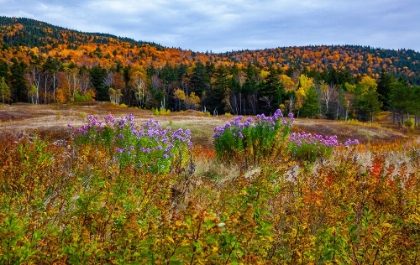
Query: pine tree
point(5, 92)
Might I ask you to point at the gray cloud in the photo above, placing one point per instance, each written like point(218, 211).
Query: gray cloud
point(238, 24)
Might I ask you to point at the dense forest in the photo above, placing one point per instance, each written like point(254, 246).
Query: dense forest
point(43, 64)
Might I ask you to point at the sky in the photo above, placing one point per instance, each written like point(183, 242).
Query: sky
point(231, 25)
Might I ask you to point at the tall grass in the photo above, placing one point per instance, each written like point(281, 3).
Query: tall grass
point(79, 202)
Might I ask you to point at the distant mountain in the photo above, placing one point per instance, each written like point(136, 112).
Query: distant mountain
point(358, 60)
point(42, 63)
point(34, 33)
point(99, 48)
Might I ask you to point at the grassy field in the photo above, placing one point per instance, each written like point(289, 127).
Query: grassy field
point(81, 202)
point(53, 119)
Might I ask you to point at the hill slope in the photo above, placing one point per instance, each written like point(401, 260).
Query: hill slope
point(81, 47)
point(41, 63)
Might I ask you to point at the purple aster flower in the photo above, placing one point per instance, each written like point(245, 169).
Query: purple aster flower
point(120, 150)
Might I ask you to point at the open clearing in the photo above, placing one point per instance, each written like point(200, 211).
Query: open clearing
point(54, 119)
point(86, 205)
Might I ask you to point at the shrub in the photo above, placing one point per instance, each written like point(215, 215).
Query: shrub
point(149, 148)
point(207, 113)
point(308, 147)
point(250, 141)
point(161, 111)
point(85, 97)
point(63, 207)
point(409, 123)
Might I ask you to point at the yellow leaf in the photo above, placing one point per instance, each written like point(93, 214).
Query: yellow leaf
point(387, 225)
point(170, 239)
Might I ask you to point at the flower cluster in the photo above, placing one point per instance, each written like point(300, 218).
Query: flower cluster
point(313, 139)
point(307, 146)
point(149, 147)
point(251, 140)
point(351, 142)
point(248, 141)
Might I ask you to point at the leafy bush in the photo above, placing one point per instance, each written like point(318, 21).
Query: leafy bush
point(409, 123)
point(250, 141)
point(85, 97)
point(308, 147)
point(149, 148)
point(161, 111)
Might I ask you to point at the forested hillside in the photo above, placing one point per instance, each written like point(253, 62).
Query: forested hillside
point(42, 64)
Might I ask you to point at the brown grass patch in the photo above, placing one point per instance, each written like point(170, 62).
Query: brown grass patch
point(53, 120)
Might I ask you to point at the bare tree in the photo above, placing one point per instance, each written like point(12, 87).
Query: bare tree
point(72, 78)
point(109, 79)
point(84, 81)
point(34, 79)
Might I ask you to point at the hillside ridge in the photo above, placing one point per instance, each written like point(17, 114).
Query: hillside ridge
point(57, 41)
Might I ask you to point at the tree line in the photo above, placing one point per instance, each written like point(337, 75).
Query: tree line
point(331, 93)
point(43, 64)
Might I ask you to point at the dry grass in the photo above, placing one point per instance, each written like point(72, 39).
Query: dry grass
point(365, 132)
point(53, 120)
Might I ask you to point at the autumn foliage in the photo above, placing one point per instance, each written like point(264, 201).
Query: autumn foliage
point(44, 64)
point(65, 201)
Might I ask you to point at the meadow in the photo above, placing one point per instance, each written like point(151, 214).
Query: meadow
point(99, 184)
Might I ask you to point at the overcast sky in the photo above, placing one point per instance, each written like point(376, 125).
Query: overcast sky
point(219, 26)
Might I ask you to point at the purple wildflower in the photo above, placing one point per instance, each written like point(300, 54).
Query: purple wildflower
point(120, 150)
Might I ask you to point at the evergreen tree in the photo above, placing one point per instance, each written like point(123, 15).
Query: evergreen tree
point(200, 80)
point(310, 107)
point(403, 100)
point(249, 90)
point(385, 83)
point(181, 71)
point(4, 69)
point(97, 77)
point(127, 95)
point(4, 90)
point(18, 84)
point(366, 99)
point(217, 96)
point(271, 93)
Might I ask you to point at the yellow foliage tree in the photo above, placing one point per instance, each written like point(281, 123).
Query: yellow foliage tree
point(138, 83)
point(180, 96)
point(263, 74)
point(60, 96)
point(368, 84)
point(115, 95)
point(193, 100)
point(288, 83)
point(300, 97)
point(305, 83)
